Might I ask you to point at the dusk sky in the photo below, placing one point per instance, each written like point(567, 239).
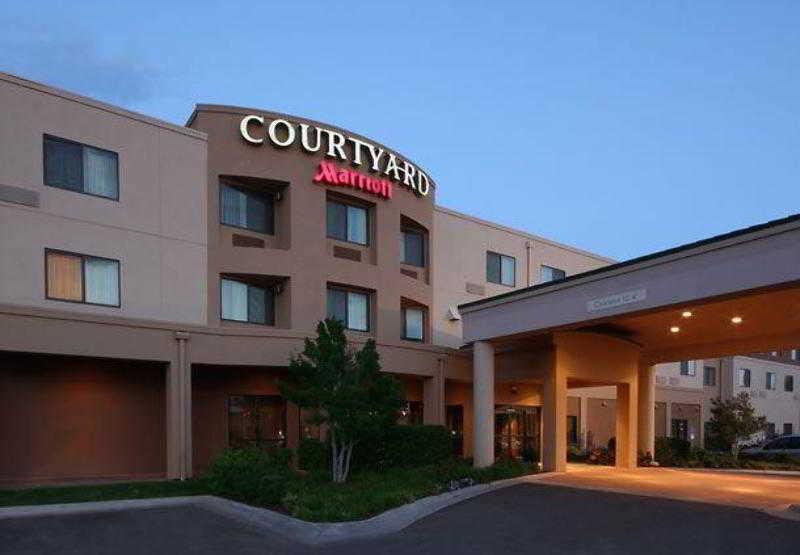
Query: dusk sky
point(618, 127)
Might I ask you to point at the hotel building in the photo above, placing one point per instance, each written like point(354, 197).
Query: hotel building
point(155, 280)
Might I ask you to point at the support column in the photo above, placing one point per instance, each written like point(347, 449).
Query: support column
point(179, 411)
point(647, 410)
point(554, 418)
point(433, 411)
point(627, 435)
point(483, 404)
point(584, 421)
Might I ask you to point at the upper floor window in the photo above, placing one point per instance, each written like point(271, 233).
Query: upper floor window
point(81, 168)
point(414, 323)
point(80, 278)
point(501, 269)
point(244, 302)
point(348, 222)
point(788, 382)
point(688, 367)
point(709, 375)
point(349, 307)
point(548, 273)
point(770, 380)
point(794, 354)
point(412, 247)
point(248, 209)
point(744, 377)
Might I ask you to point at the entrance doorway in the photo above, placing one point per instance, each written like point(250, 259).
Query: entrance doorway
point(455, 425)
point(516, 431)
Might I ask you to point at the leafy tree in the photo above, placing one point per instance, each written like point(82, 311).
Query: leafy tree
point(344, 390)
point(734, 421)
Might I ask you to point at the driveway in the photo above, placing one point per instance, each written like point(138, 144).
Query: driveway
point(527, 518)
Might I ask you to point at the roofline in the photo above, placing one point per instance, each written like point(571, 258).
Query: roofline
point(523, 234)
point(102, 106)
point(737, 236)
point(230, 109)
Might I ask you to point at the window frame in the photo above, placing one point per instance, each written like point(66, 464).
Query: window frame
point(788, 378)
point(742, 373)
point(46, 137)
point(83, 258)
point(424, 312)
point(709, 371)
point(250, 192)
point(349, 291)
point(691, 368)
point(543, 266)
point(280, 442)
point(500, 257)
point(267, 290)
point(352, 204)
point(767, 375)
point(423, 246)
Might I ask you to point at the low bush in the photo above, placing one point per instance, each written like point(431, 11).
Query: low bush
point(251, 476)
point(313, 456)
point(672, 451)
point(403, 446)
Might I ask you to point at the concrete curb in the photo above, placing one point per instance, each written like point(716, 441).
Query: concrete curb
point(785, 473)
point(265, 520)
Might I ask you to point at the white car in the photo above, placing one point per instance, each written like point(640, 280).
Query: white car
point(788, 445)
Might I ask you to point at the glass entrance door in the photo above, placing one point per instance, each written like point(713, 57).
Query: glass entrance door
point(516, 431)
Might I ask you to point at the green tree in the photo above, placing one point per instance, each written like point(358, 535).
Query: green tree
point(734, 421)
point(343, 389)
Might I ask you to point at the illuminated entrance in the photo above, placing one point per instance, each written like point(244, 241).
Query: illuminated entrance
point(516, 432)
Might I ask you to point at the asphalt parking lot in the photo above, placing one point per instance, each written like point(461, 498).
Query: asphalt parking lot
point(527, 518)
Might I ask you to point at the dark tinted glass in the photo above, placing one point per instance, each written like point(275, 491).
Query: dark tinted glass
point(259, 305)
point(414, 253)
point(63, 164)
point(337, 305)
point(492, 267)
point(259, 213)
point(337, 221)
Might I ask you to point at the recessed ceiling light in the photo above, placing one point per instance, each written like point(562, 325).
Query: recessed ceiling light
point(736, 320)
point(687, 314)
point(674, 329)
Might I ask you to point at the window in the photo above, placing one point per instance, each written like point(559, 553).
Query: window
point(770, 429)
point(572, 429)
point(80, 168)
point(412, 247)
point(680, 428)
point(256, 421)
point(80, 278)
point(414, 323)
point(709, 375)
point(348, 223)
point(243, 302)
point(788, 383)
point(744, 377)
point(548, 273)
point(688, 367)
point(411, 413)
point(240, 207)
point(770, 380)
point(501, 269)
point(794, 354)
point(787, 428)
point(349, 307)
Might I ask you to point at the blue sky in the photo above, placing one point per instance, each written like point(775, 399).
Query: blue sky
point(618, 127)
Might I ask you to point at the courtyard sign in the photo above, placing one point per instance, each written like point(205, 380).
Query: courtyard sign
point(283, 134)
point(613, 301)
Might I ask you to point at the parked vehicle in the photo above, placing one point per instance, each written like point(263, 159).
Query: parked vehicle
point(786, 446)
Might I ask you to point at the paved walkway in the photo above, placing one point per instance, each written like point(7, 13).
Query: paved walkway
point(722, 488)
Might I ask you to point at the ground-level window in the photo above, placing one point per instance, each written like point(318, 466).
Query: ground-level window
point(349, 307)
point(242, 207)
point(81, 168)
point(549, 273)
point(680, 428)
point(81, 278)
point(414, 323)
point(308, 428)
point(516, 431)
point(348, 222)
point(256, 421)
point(709, 375)
point(572, 429)
point(501, 269)
point(244, 302)
point(744, 377)
point(770, 429)
point(788, 383)
point(688, 367)
point(411, 413)
point(787, 428)
point(455, 425)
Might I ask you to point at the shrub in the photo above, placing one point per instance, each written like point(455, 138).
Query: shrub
point(531, 454)
point(672, 451)
point(313, 455)
point(404, 446)
point(251, 475)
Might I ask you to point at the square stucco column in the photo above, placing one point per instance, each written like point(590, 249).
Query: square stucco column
point(433, 411)
point(554, 419)
point(627, 424)
point(179, 411)
point(483, 403)
point(647, 410)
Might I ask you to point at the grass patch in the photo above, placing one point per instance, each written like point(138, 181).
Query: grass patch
point(101, 492)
